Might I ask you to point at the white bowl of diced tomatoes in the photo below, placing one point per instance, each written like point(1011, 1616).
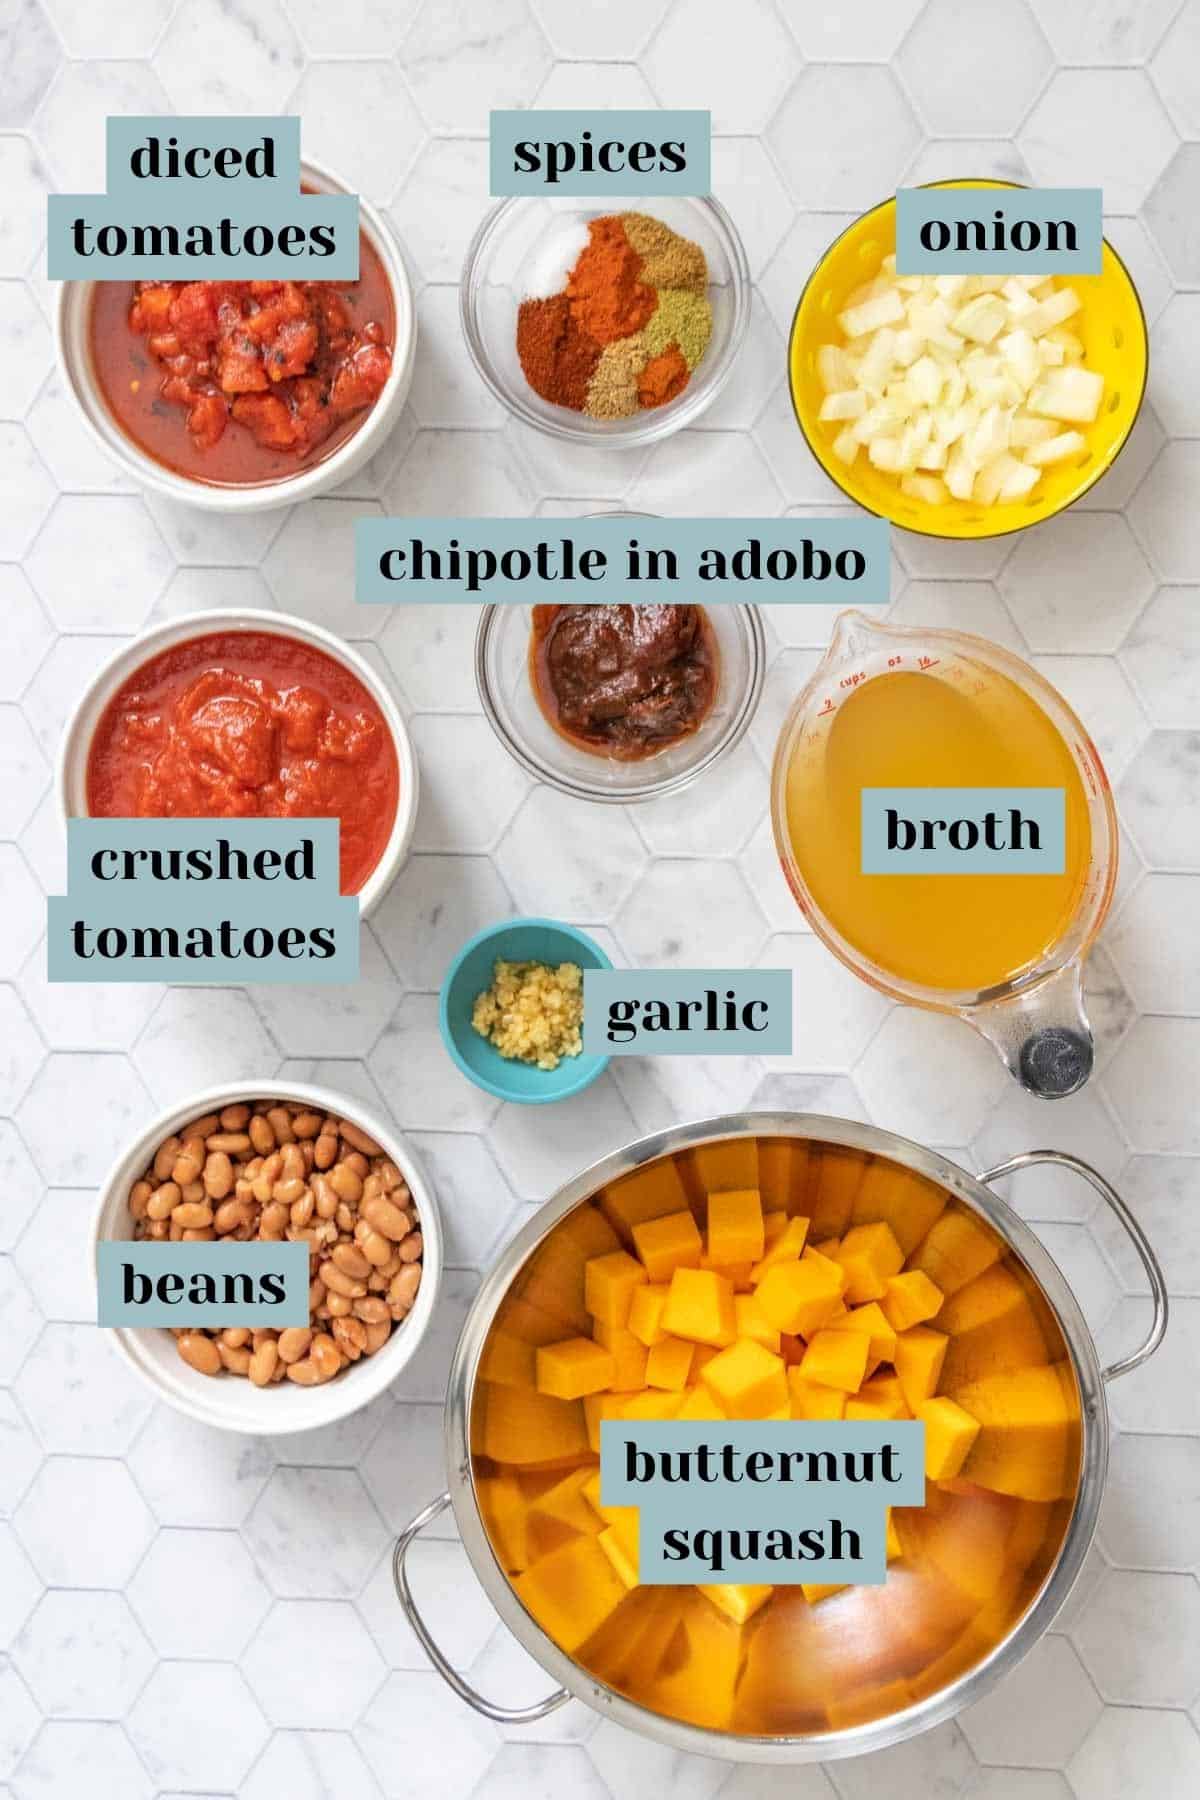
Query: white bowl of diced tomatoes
point(244, 396)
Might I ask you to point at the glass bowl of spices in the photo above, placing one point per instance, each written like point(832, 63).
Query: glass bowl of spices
point(619, 703)
point(614, 326)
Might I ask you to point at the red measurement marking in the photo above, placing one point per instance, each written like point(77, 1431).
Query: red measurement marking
point(827, 708)
point(928, 662)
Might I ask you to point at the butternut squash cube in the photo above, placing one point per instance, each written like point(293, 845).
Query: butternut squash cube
point(507, 1360)
point(645, 1313)
point(573, 1368)
point(869, 1318)
point(909, 1299)
point(919, 1355)
point(728, 1163)
point(895, 1548)
point(571, 1591)
point(700, 1307)
point(992, 1327)
point(609, 1284)
point(616, 1547)
point(665, 1245)
point(881, 1397)
point(560, 1512)
point(1028, 1443)
point(782, 1173)
point(816, 1591)
point(736, 1232)
point(837, 1359)
point(699, 1402)
point(956, 1248)
point(810, 1400)
point(869, 1254)
point(949, 1434)
point(909, 1203)
point(668, 1364)
point(834, 1179)
point(521, 1426)
point(597, 1408)
point(739, 1601)
point(798, 1297)
point(749, 1382)
point(774, 1225)
point(507, 1518)
point(738, 1275)
point(652, 1404)
point(786, 1248)
point(753, 1323)
point(645, 1193)
point(628, 1354)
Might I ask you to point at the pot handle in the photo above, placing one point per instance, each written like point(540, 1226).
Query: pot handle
point(1029, 1159)
point(502, 1715)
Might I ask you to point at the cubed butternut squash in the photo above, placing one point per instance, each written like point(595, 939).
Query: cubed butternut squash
point(774, 1225)
point(700, 1307)
point(653, 1403)
point(739, 1601)
point(752, 1322)
point(992, 1327)
point(506, 1515)
point(881, 1397)
point(664, 1245)
point(811, 1400)
point(837, 1359)
point(782, 1173)
point(668, 1364)
point(561, 1511)
point(869, 1318)
point(699, 1402)
point(835, 1176)
point(573, 1368)
point(507, 1360)
point(949, 1434)
point(748, 1380)
point(909, 1299)
point(869, 1254)
point(571, 1591)
point(597, 1408)
point(956, 1248)
point(736, 1233)
point(646, 1193)
point(521, 1426)
point(918, 1357)
point(1028, 1442)
point(645, 1313)
point(906, 1201)
point(609, 1284)
point(786, 1247)
point(628, 1354)
point(798, 1297)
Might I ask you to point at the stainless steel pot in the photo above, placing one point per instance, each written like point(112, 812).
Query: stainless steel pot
point(974, 1192)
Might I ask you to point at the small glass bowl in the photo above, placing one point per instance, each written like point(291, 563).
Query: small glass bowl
point(506, 692)
point(499, 269)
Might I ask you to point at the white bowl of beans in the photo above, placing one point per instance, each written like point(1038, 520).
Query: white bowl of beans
point(275, 1162)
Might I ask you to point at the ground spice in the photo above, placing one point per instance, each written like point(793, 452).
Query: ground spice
point(664, 377)
point(608, 299)
point(681, 318)
point(613, 393)
point(630, 325)
point(557, 357)
point(668, 260)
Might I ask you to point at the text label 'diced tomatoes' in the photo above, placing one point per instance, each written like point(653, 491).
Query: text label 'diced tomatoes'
point(242, 382)
point(247, 724)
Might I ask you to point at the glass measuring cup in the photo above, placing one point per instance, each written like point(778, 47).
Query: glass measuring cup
point(1035, 1017)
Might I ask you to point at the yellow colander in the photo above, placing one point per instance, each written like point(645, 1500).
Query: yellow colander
point(1111, 324)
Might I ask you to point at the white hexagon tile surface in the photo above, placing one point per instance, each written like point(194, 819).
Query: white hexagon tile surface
point(183, 1612)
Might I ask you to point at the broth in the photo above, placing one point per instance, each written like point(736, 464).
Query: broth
point(952, 932)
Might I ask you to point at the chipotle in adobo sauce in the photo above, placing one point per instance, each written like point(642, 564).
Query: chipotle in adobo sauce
point(242, 382)
point(243, 725)
point(624, 681)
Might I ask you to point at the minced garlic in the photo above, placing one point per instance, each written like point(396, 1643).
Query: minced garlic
point(532, 1012)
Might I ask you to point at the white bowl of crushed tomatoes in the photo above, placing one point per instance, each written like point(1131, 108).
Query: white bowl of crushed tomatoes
point(242, 714)
point(247, 401)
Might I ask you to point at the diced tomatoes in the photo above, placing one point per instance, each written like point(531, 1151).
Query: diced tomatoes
point(283, 359)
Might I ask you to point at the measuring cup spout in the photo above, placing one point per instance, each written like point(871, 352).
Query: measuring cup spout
point(1043, 1034)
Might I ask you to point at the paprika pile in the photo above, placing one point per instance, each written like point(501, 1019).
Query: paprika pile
point(628, 328)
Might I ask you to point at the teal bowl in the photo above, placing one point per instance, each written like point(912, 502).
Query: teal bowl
point(514, 940)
